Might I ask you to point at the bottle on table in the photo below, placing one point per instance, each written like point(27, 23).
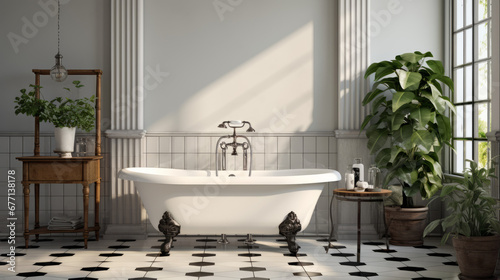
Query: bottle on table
point(359, 171)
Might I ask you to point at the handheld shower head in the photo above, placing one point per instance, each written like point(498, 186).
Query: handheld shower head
point(236, 124)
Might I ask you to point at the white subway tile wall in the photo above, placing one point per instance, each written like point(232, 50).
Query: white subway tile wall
point(55, 199)
point(165, 145)
point(269, 153)
point(177, 144)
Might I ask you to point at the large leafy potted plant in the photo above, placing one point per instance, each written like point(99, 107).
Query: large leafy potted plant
point(472, 221)
point(64, 113)
point(406, 131)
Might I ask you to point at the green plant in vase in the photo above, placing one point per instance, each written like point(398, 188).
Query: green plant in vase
point(472, 221)
point(407, 129)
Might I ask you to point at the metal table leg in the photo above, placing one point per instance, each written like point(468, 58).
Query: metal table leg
point(359, 233)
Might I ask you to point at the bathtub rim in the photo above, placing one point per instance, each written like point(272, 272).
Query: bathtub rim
point(172, 176)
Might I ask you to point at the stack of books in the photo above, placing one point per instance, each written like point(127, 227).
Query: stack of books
point(65, 223)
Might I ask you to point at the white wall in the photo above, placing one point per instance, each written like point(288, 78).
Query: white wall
point(400, 26)
point(271, 62)
point(29, 41)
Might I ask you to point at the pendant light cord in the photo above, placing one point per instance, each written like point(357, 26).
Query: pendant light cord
point(58, 15)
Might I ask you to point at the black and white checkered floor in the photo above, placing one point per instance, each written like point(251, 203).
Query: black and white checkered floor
point(203, 258)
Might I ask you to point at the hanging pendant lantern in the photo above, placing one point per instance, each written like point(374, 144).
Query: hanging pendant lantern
point(58, 72)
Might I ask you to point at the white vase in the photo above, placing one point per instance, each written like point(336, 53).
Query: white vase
point(65, 141)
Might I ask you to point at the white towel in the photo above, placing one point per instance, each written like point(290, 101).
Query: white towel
point(65, 223)
point(66, 219)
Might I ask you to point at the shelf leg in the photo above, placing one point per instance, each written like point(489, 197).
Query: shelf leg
point(26, 192)
point(37, 209)
point(97, 202)
point(85, 214)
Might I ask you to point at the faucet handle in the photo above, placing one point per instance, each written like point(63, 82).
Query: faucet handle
point(250, 128)
point(222, 125)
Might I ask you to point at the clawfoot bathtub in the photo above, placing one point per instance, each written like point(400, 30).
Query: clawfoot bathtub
point(198, 202)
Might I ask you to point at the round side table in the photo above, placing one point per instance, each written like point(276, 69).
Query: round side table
point(353, 196)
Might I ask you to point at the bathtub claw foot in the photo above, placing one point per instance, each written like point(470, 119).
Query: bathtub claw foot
point(289, 229)
point(170, 229)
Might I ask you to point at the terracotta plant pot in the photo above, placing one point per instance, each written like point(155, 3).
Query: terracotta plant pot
point(406, 225)
point(477, 256)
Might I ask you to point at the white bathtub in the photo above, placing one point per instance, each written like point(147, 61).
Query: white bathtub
point(205, 204)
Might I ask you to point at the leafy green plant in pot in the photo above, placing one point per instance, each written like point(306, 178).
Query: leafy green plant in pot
point(406, 131)
point(472, 221)
point(64, 113)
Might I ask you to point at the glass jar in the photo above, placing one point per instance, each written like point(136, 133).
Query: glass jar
point(373, 177)
point(81, 147)
point(90, 146)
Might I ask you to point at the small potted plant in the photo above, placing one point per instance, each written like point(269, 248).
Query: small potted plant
point(472, 221)
point(406, 130)
point(64, 113)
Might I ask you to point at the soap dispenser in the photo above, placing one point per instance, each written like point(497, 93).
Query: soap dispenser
point(349, 178)
point(358, 166)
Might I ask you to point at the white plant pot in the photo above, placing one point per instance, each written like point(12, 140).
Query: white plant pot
point(65, 141)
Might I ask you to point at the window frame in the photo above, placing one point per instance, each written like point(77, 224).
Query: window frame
point(473, 102)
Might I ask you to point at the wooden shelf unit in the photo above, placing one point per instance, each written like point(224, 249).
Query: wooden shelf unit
point(55, 170)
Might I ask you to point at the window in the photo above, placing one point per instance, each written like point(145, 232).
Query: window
point(472, 77)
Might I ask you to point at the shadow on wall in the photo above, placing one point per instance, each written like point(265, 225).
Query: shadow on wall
point(257, 60)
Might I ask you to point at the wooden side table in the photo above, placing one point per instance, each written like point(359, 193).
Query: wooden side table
point(55, 170)
point(351, 195)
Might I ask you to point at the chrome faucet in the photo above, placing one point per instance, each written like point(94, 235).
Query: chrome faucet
point(234, 144)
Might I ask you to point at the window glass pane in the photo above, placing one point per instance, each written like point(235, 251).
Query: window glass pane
point(459, 48)
point(482, 120)
point(459, 122)
point(468, 84)
point(466, 164)
point(468, 12)
point(459, 156)
point(459, 14)
point(481, 149)
point(468, 45)
point(482, 31)
point(468, 120)
point(459, 85)
point(483, 79)
point(482, 9)
point(468, 151)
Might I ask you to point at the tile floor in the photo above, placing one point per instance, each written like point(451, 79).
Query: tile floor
point(203, 258)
